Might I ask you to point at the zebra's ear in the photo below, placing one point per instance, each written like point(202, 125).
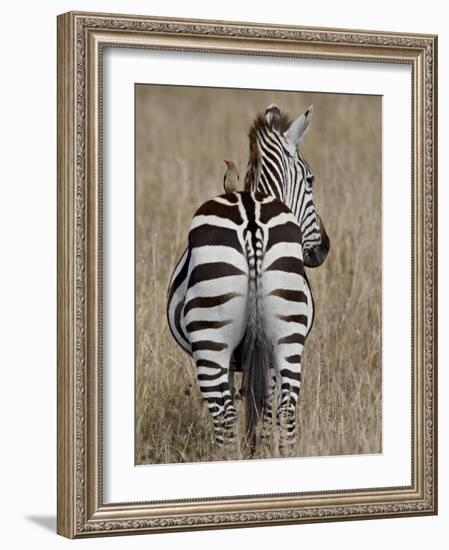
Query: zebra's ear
point(298, 128)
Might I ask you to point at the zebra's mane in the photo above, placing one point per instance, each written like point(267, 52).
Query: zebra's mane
point(277, 121)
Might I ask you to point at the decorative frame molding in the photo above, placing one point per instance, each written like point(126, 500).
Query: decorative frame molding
point(81, 37)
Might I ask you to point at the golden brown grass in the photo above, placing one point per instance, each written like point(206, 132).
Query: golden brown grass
point(183, 135)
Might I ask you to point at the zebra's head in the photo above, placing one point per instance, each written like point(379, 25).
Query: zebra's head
point(276, 167)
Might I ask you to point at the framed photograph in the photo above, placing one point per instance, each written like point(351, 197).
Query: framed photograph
point(247, 274)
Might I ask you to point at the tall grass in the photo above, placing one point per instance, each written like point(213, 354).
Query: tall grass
point(182, 137)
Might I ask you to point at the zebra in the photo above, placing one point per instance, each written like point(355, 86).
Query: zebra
point(239, 293)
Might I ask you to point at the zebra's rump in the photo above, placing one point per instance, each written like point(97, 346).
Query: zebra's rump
point(225, 233)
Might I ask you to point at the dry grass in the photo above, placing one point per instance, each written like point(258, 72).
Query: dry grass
point(183, 135)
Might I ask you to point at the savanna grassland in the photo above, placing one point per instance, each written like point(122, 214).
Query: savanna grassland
point(182, 137)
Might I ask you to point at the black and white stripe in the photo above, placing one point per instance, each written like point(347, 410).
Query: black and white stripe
point(239, 293)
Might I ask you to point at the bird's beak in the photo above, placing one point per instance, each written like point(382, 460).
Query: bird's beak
point(226, 162)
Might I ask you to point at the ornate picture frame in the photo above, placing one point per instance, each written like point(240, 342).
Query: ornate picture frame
point(82, 39)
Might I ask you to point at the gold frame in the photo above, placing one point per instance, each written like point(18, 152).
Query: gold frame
point(81, 37)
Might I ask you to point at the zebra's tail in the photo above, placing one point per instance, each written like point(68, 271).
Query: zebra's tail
point(256, 348)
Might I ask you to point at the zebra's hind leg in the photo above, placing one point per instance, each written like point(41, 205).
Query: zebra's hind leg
point(289, 369)
point(213, 381)
point(267, 419)
point(225, 420)
point(230, 416)
point(287, 428)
